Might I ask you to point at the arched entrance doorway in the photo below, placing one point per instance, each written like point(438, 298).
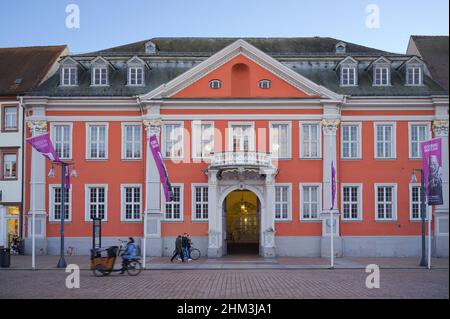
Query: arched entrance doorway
point(241, 221)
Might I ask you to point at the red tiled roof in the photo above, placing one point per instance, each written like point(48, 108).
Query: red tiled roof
point(22, 69)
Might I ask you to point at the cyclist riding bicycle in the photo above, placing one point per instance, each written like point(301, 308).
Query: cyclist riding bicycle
point(128, 254)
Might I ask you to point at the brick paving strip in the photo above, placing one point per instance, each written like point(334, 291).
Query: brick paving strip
point(225, 284)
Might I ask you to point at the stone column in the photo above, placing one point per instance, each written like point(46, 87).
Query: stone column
point(441, 226)
point(152, 215)
point(267, 237)
point(330, 126)
point(3, 231)
point(215, 231)
point(37, 190)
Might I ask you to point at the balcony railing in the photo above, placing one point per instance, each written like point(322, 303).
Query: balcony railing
point(241, 159)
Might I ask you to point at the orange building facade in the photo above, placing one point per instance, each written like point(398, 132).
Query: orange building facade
point(249, 133)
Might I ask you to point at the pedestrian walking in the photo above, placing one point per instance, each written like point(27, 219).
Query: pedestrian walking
point(178, 249)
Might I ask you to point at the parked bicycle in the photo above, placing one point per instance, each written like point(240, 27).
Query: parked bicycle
point(103, 261)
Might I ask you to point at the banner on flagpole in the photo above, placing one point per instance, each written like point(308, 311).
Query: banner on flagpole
point(43, 145)
point(164, 177)
point(432, 170)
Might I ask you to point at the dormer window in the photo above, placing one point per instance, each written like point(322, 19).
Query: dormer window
point(100, 75)
point(413, 75)
point(136, 75)
point(340, 47)
point(150, 47)
point(265, 84)
point(348, 76)
point(381, 76)
point(215, 84)
point(69, 76)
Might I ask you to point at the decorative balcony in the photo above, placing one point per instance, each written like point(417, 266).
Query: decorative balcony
point(243, 159)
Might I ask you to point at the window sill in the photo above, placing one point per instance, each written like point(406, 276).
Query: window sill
point(310, 220)
point(55, 222)
point(385, 159)
point(310, 158)
point(131, 221)
point(386, 221)
point(351, 158)
point(200, 220)
point(283, 220)
point(131, 159)
point(352, 221)
point(96, 159)
point(10, 131)
point(171, 221)
point(9, 179)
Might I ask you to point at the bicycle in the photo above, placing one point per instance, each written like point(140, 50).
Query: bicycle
point(104, 265)
point(194, 253)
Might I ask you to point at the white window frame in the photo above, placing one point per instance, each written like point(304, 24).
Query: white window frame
point(123, 203)
point(70, 68)
point(265, 84)
point(348, 68)
point(289, 141)
point(124, 142)
point(163, 204)
point(412, 68)
point(53, 136)
point(194, 202)
point(100, 67)
point(429, 209)
point(195, 127)
point(87, 215)
point(394, 201)
point(388, 76)
point(51, 203)
point(251, 146)
point(359, 140)
point(289, 199)
point(359, 202)
point(320, 199)
point(427, 132)
point(163, 139)
point(88, 144)
point(302, 151)
point(215, 84)
point(137, 78)
point(394, 140)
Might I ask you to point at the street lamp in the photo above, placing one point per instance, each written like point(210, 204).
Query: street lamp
point(64, 166)
point(422, 209)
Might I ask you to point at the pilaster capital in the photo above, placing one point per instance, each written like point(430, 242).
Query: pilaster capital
point(440, 128)
point(330, 126)
point(212, 177)
point(153, 126)
point(37, 126)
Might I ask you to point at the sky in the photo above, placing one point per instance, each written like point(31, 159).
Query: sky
point(382, 24)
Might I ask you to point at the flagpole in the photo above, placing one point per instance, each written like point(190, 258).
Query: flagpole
point(429, 239)
point(33, 218)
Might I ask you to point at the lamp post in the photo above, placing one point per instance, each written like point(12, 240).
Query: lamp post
point(62, 262)
point(422, 209)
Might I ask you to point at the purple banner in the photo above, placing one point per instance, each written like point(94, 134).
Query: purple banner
point(43, 145)
point(163, 176)
point(432, 170)
point(333, 184)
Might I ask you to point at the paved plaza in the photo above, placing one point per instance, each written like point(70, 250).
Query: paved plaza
point(225, 278)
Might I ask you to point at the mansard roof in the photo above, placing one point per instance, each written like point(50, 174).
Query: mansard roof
point(304, 46)
point(314, 59)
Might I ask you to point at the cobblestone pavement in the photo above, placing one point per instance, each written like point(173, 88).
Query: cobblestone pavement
point(207, 284)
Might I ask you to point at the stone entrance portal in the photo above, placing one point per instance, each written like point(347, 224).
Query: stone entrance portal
point(249, 173)
point(242, 222)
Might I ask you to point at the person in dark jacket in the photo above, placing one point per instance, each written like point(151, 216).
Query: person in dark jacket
point(178, 249)
point(184, 243)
